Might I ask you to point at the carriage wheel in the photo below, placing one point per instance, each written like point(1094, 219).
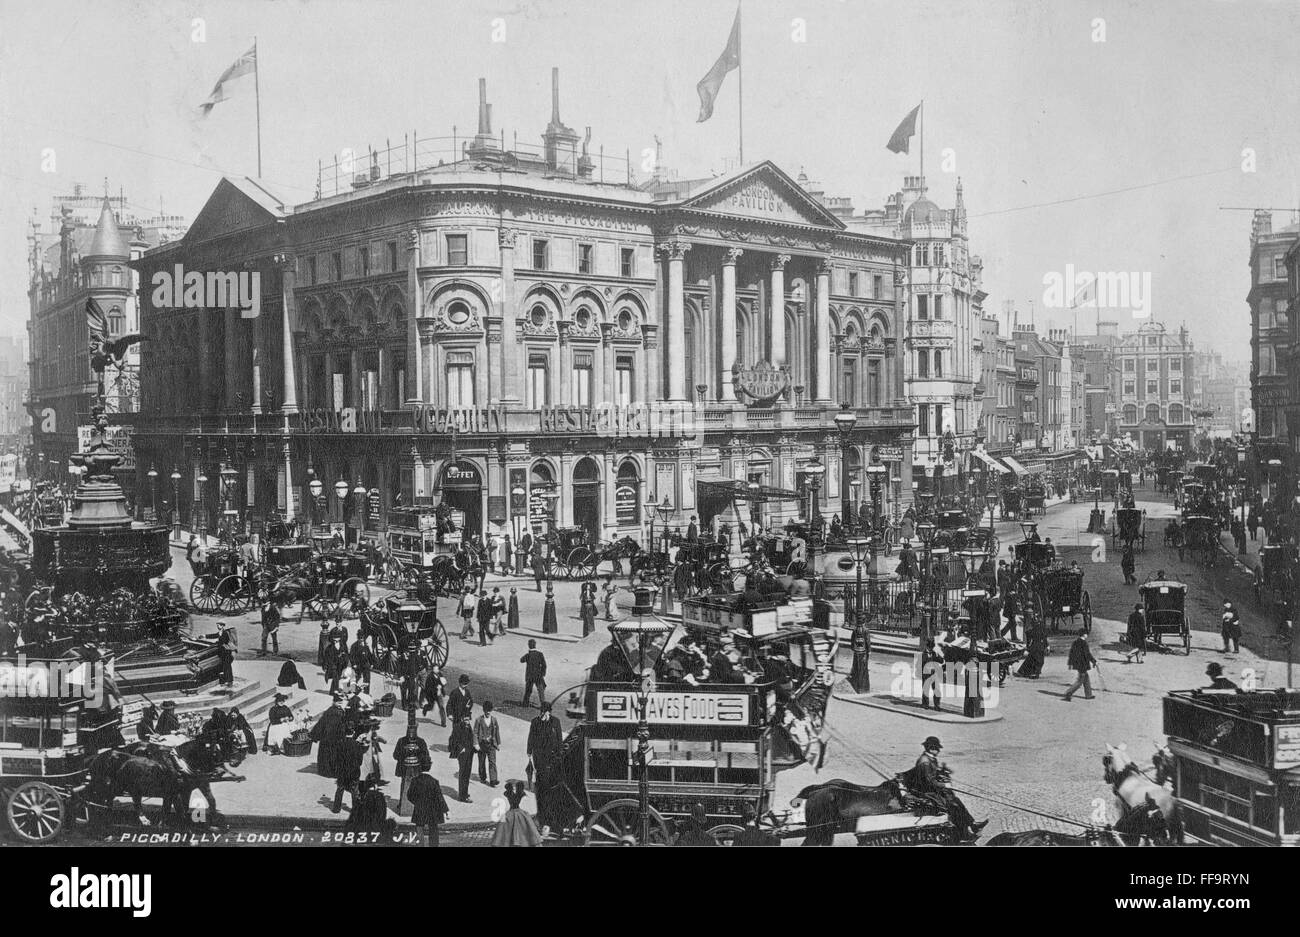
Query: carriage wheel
point(618, 823)
point(236, 594)
point(203, 594)
point(556, 568)
point(438, 649)
point(354, 595)
point(1086, 608)
point(1187, 636)
point(36, 812)
point(583, 563)
point(724, 834)
point(385, 648)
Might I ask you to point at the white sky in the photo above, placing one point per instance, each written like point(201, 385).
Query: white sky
point(1043, 121)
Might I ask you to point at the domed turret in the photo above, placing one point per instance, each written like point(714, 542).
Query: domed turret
point(108, 243)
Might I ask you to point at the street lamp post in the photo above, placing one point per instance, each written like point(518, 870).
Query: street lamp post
point(1241, 480)
point(642, 638)
point(925, 531)
point(973, 704)
point(876, 476)
point(359, 506)
point(230, 514)
point(812, 473)
point(845, 420)
point(176, 502)
point(203, 506)
point(317, 490)
point(153, 491)
point(860, 677)
point(341, 493)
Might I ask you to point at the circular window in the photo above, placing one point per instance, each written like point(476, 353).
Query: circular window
point(457, 313)
point(625, 320)
point(845, 563)
point(539, 316)
point(583, 318)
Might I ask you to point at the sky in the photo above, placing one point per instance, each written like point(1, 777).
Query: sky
point(1114, 155)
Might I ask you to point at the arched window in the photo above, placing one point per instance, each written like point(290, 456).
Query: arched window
point(938, 363)
point(460, 379)
point(627, 495)
point(1153, 412)
point(1175, 413)
point(1130, 413)
point(922, 363)
point(115, 321)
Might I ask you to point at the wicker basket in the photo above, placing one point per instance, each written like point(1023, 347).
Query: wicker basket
point(296, 749)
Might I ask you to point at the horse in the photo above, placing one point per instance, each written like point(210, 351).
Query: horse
point(831, 807)
point(1150, 809)
point(118, 771)
point(1093, 837)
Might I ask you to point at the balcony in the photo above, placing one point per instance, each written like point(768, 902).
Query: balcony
point(931, 328)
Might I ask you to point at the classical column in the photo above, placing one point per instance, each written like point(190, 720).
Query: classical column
point(205, 360)
point(290, 390)
point(287, 454)
point(729, 321)
point(777, 309)
point(354, 378)
point(231, 358)
point(509, 350)
point(255, 329)
point(822, 327)
point(676, 251)
point(414, 351)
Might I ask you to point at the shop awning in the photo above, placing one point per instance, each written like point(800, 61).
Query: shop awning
point(991, 462)
point(1016, 467)
point(735, 490)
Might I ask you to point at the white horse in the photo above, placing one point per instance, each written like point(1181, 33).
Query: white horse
point(1150, 809)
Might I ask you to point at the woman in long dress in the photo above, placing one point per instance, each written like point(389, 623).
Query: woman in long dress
point(517, 827)
point(1032, 666)
point(281, 725)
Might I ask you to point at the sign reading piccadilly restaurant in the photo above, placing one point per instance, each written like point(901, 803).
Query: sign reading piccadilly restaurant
point(699, 709)
point(762, 383)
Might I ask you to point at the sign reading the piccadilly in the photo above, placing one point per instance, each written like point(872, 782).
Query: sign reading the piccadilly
point(762, 383)
point(578, 219)
point(698, 709)
point(460, 420)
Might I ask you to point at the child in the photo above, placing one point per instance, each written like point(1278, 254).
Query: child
point(467, 613)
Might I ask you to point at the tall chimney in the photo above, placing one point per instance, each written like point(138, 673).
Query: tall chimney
point(558, 138)
point(555, 94)
point(483, 144)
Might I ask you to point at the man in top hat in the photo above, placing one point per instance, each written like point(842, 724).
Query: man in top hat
point(1218, 681)
point(928, 778)
point(330, 731)
point(167, 723)
point(270, 626)
point(1231, 629)
point(693, 530)
point(227, 645)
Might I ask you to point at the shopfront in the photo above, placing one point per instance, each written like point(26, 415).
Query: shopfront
point(586, 497)
point(460, 486)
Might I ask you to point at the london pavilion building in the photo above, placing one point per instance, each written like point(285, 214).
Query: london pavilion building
point(514, 333)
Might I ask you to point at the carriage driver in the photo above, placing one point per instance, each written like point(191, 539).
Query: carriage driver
point(929, 778)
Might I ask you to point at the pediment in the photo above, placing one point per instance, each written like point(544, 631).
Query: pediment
point(765, 193)
point(230, 209)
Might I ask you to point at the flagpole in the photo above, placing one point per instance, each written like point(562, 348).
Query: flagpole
point(921, 115)
point(740, 88)
point(257, 95)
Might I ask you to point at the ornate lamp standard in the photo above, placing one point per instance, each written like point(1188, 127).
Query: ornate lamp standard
point(876, 478)
point(359, 506)
point(925, 531)
point(1241, 481)
point(230, 515)
point(991, 499)
point(812, 473)
point(317, 491)
point(662, 510)
point(859, 676)
point(203, 503)
point(341, 493)
point(845, 420)
point(176, 502)
point(153, 489)
point(642, 638)
point(973, 703)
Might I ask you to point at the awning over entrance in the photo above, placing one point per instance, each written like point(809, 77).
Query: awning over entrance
point(991, 462)
point(735, 490)
point(1016, 467)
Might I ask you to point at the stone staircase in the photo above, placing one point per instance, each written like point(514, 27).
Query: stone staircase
point(250, 696)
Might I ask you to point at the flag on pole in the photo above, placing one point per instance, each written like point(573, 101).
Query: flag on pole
point(246, 64)
point(711, 83)
point(901, 140)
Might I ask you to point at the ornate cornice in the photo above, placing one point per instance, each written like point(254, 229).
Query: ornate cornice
point(732, 255)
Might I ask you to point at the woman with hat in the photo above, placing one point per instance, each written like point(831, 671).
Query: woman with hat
point(281, 724)
point(517, 827)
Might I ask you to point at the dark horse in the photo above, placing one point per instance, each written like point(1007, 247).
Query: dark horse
point(172, 775)
point(832, 807)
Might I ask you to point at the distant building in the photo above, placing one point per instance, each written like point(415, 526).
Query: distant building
point(1155, 369)
point(1270, 332)
point(15, 427)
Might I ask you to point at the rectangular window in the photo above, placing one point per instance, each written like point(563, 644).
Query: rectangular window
point(923, 419)
point(1129, 364)
point(938, 363)
point(538, 393)
point(585, 252)
point(365, 261)
point(457, 250)
point(922, 363)
point(873, 383)
point(392, 256)
point(460, 379)
point(1153, 388)
point(1279, 267)
point(1130, 388)
point(396, 382)
point(853, 284)
point(1175, 364)
point(849, 382)
point(627, 263)
point(311, 270)
point(878, 287)
point(1175, 387)
point(623, 381)
point(940, 258)
point(336, 262)
point(582, 365)
point(923, 306)
point(541, 253)
point(938, 307)
point(1153, 364)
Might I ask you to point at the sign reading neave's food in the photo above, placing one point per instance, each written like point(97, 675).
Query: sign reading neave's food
point(715, 709)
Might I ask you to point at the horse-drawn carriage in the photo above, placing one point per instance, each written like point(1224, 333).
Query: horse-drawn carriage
point(719, 745)
point(1011, 503)
point(574, 555)
point(223, 586)
point(46, 744)
point(1065, 597)
point(398, 622)
point(1110, 484)
point(1035, 498)
point(705, 566)
point(1276, 580)
point(1163, 605)
point(329, 585)
point(1130, 528)
point(1201, 536)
